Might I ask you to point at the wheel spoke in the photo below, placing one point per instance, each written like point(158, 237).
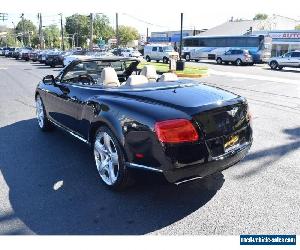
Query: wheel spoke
point(111, 172)
point(114, 158)
point(100, 148)
point(107, 142)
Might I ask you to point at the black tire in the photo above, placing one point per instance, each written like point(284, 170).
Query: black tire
point(196, 60)
point(238, 62)
point(52, 65)
point(187, 57)
point(219, 60)
point(148, 59)
point(45, 125)
point(157, 61)
point(273, 65)
point(124, 175)
point(165, 60)
point(280, 67)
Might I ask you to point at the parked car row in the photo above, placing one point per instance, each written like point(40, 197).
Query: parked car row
point(51, 57)
point(241, 56)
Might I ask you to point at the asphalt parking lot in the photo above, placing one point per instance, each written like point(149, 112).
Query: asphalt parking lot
point(49, 185)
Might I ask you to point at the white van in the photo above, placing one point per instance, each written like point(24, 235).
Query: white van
point(159, 52)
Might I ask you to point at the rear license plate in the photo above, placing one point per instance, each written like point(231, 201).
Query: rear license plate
point(231, 143)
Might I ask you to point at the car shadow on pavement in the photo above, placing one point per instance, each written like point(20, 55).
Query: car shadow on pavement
point(273, 154)
point(284, 70)
point(54, 189)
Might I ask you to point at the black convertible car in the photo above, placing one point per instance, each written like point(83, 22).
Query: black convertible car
point(136, 119)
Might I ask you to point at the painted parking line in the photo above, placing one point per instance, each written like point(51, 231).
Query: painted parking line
point(254, 77)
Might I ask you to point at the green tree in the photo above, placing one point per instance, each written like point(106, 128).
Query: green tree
point(52, 36)
point(27, 30)
point(102, 28)
point(297, 27)
point(260, 16)
point(127, 34)
point(77, 26)
point(9, 39)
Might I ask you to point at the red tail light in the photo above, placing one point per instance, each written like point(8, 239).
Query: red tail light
point(176, 131)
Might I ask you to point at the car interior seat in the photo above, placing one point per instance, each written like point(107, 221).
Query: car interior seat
point(135, 80)
point(149, 71)
point(168, 77)
point(109, 77)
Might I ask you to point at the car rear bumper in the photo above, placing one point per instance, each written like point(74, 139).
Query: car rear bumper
point(217, 164)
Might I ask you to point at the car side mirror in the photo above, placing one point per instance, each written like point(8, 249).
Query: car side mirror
point(49, 79)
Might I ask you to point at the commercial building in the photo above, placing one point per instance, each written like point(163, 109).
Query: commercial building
point(282, 30)
point(172, 36)
point(283, 40)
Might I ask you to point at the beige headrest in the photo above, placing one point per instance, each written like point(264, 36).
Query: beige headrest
point(109, 77)
point(134, 80)
point(150, 72)
point(168, 77)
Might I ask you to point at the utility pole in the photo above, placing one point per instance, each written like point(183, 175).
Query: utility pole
point(62, 32)
point(29, 40)
point(3, 17)
point(15, 33)
point(91, 32)
point(77, 31)
point(117, 29)
point(22, 17)
point(41, 36)
point(147, 37)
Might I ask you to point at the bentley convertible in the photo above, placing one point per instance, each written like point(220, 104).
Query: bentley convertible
point(134, 118)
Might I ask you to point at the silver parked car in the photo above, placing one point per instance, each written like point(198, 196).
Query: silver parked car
point(235, 56)
point(290, 59)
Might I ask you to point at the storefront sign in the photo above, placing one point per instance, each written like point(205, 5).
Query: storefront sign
point(156, 34)
point(285, 35)
point(159, 39)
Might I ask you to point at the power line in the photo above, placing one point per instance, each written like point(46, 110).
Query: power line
point(146, 22)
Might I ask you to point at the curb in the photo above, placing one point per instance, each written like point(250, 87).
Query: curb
point(192, 75)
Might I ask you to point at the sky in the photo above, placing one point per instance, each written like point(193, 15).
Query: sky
point(157, 15)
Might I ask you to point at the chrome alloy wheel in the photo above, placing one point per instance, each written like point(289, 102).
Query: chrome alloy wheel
point(39, 111)
point(106, 158)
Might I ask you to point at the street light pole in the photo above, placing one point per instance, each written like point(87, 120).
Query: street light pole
point(181, 23)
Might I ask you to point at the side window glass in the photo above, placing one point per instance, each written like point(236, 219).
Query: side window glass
point(160, 49)
point(154, 49)
point(296, 54)
point(72, 75)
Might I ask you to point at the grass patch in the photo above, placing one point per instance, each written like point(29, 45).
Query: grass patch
point(164, 68)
